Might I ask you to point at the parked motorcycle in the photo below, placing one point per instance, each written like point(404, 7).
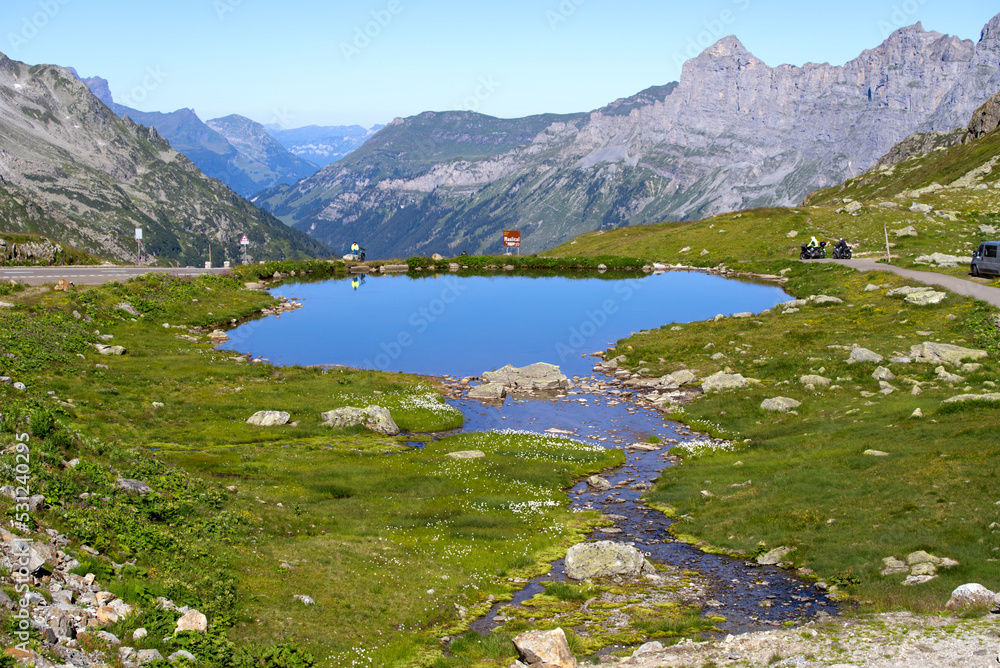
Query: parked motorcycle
point(842, 252)
point(813, 252)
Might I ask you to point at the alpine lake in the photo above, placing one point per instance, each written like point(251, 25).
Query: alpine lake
point(455, 327)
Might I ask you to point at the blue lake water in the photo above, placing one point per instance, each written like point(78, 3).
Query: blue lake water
point(463, 326)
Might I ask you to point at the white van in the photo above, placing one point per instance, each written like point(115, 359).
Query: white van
point(986, 259)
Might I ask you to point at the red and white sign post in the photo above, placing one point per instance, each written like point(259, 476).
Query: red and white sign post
point(512, 239)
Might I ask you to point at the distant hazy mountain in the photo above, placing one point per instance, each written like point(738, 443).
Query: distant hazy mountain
point(322, 144)
point(235, 150)
point(74, 171)
point(732, 134)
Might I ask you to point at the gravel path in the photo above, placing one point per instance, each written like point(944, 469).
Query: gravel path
point(957, 285)
point(888, 640)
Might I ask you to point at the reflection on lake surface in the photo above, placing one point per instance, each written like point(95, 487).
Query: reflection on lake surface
point(466, 325)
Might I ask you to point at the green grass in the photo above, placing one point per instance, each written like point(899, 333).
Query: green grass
point(385, 537)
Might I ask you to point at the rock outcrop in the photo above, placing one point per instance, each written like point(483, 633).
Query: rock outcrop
point(374, 418)
point(539, 376)
point(603, 559)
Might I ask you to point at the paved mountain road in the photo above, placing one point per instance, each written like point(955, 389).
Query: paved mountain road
point(93, 275)
point(957, 285)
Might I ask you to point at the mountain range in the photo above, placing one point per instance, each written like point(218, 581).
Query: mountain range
point(71, 169)
point(321, 144)
point(733, 133)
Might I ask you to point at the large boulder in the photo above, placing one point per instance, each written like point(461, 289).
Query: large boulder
point(724, 381)
point(603, 558)
point(192, 621)
point(537, 376)
point(488, 392)
point(970, 595)
point(989, 396)
point(677, 378)
point(986, 119)
point(775, 556)
point(925, 298)
point(269, 418)
point(929, 352)
point(859, 354)
point(374, 418)
point(815, 380)
point(779, 404)
point(545, 648)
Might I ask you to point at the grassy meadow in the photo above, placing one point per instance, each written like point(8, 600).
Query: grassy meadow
point(397, 545)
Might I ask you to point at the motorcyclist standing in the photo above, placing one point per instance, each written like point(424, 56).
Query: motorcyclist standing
point(812, 243)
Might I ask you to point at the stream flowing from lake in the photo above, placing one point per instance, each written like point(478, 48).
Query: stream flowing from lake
point(454, 327)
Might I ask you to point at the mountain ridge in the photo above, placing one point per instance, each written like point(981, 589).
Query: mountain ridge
point(71, 169)
point(733, 133)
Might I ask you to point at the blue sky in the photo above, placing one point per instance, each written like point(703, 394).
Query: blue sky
point(336, 63)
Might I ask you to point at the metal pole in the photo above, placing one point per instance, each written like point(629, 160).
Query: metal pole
point(888, 255)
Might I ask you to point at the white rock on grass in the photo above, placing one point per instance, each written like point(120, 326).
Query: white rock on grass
point(269, 418)
point(779, 404)
point(859, 354)
point(603, 558)
point(969, 595)
point(724, 381)
point(466, 454)
point(374, 418)
point(929, 352)
point(548, 648)
point(192, 621)
point(815, 380)
point(882, 373)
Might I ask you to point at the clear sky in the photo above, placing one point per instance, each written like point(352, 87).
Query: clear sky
point(301, 62)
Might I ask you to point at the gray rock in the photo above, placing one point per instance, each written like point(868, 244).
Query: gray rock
point(925, 298)
point(305, 600)
point(374, 418)
point(882, 373)
point(916, 207)
point(466, 454)
point(724, 381)
point(109, 637)
point(875, 453)
point(775, 556)
point(823, 300)
point(859, 354)
point(814, 380)
point(145, 656)
point(269, 418)
point(548, 649)
point(128, 308)
point(181, 654)
point(989, 396)
point(908, 231)
point(134, 486)
point(907, 290)
point(648, 648)
point(969, 595)
point(947, 377)
point(677, 379)
point(488, 392)
point(941, 260)
point(894, 565)
point(598, 483)
point(105, 349)
point(20, 387)
point(538, 376)
point(943, 353)
point(192, 621)
point(779, 404)
point(603, 559)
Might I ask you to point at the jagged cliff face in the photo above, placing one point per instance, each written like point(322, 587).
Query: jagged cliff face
point(732, 134)
point(72, 170)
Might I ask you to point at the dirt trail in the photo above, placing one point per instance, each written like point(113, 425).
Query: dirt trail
point(957, 285)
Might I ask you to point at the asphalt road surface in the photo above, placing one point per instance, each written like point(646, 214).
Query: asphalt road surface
point(93, 275)
point(957, 285)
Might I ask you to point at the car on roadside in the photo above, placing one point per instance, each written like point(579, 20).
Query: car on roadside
point(986, 259)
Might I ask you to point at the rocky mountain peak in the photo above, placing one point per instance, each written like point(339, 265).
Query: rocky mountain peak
point(728, 47)
point(991, 31)
point(99, 87)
